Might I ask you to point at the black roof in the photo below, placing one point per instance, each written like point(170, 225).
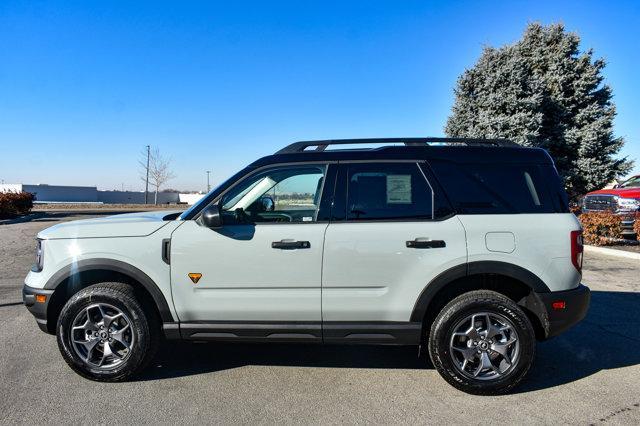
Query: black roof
point(462, 150)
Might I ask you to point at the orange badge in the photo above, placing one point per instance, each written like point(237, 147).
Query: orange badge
point(195, 277)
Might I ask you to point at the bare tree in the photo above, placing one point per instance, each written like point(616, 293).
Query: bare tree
point(159, 171)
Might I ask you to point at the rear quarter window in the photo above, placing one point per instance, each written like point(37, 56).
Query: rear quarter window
point(500, 188)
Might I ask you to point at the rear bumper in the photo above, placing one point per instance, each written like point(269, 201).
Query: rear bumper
point(37, 309)
point(572, 307)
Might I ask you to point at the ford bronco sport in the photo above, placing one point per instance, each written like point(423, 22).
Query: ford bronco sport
point(465, 248)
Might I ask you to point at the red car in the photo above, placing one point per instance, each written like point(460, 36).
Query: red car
point(623, 198)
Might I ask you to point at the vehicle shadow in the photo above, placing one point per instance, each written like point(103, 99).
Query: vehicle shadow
point(184, 359)
point(602, 341)
point(606, 339)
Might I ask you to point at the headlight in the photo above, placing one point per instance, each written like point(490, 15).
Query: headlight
point(37, 267)
point(627, 203)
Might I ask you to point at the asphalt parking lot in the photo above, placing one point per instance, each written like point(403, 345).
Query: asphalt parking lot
point(590, 375)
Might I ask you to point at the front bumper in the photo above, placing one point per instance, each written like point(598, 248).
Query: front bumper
point(627, 223)
point(628, 218)
point(37, 308)
point(571, 307)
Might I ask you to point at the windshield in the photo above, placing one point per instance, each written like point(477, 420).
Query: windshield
point(634, 182)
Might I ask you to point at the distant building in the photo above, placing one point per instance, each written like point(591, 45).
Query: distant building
point(190, 199)
point(90, 194)
point(56, 193)
point(133, 197)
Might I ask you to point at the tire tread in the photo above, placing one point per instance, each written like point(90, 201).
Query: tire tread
point(454, 307)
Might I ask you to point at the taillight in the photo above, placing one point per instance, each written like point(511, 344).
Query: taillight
point(576, 249)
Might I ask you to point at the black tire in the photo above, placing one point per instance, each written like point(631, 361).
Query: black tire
point(454, 314)
point(143, 335)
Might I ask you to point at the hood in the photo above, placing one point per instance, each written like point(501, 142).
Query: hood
point(620, 192)
point(121, 225)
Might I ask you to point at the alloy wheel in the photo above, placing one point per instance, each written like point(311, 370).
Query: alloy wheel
point(102, 336)
point(484, 346)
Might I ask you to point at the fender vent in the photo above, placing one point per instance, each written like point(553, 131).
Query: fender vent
point(166, 251)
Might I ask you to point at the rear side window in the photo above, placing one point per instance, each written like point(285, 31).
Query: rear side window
point(555, 184)
point(499, 188)
point(387, 191)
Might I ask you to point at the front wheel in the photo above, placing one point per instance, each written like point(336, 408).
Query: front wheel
point(104, 333)
point(482, 343)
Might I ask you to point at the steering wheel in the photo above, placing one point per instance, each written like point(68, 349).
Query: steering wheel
point(241, 216)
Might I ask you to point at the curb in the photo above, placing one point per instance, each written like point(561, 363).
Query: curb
point(612, 252)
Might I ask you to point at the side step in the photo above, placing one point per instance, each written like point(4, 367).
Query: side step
point(385, 332)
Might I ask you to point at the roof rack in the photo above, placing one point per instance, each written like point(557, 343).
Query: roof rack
point(298, 147)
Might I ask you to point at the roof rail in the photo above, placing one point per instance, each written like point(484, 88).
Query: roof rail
point(298, 147)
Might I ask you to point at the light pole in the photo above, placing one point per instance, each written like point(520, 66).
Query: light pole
point(208, 186)
point(146, 188)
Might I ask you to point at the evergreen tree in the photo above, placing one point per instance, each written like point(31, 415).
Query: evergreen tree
point(543, 91)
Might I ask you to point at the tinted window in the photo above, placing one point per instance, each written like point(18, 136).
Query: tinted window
point(634, 182)
point(555, 185)
point(498, 188)
point(441, 207)
point(387, 191)
point(281, 194)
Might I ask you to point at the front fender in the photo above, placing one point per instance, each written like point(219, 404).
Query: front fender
point(112, 265)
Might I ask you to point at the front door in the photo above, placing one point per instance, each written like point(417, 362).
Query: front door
point(264, 264)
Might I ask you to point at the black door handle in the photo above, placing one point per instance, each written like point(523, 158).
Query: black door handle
point(290, 245)
point(423, 243)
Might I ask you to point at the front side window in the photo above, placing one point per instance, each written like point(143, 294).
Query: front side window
point(388, 191)
point(281, 194)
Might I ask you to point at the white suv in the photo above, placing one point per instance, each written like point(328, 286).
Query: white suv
point(463, 247)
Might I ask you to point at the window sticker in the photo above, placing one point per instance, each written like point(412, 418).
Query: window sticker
point(398, 189)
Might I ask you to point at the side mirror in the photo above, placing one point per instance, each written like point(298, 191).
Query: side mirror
point(268, 204)
point(211, 217)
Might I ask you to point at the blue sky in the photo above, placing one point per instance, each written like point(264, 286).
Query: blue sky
point(84, 86)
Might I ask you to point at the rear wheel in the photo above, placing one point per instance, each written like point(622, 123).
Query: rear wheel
point(482, 343)
point(104, 333)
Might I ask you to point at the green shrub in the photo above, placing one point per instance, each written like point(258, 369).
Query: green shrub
point(601, 228)
point(14, 204)
point(636, 226)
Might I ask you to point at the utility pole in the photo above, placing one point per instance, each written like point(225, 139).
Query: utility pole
point(208, 186)
point(146, 189)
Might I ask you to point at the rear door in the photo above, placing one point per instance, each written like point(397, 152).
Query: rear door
point(384, 245)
